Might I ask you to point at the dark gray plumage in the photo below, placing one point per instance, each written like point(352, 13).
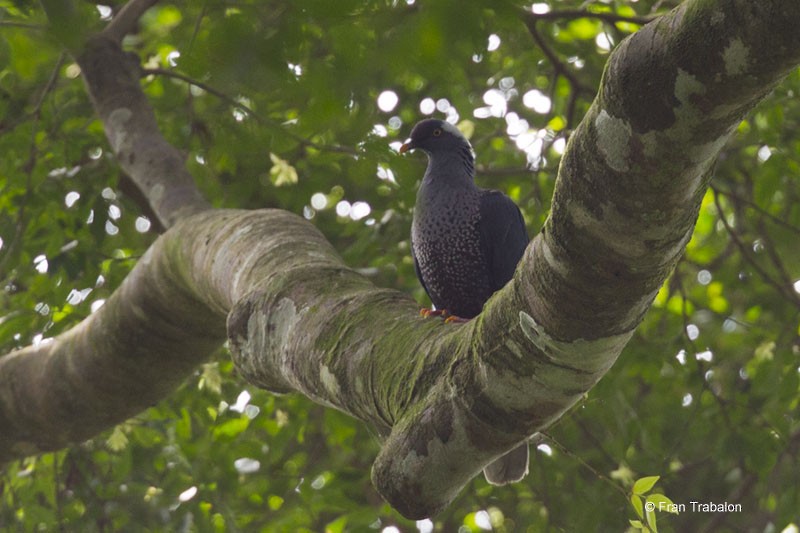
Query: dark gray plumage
point(465, 242)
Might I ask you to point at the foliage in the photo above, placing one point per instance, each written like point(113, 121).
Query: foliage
point(646, 505)
point(281, 110)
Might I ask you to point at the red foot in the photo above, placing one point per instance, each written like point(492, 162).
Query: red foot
point(425, 312)
point(444, 313)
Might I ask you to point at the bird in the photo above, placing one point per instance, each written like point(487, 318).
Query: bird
point(465, 243)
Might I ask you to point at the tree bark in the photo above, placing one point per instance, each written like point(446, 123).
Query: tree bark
point(155, 166)
point(448, 398)
point(131, 353)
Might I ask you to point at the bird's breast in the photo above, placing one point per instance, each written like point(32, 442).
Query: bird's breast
point(445, 236)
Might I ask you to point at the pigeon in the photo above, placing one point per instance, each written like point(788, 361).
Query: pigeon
point(465, 242)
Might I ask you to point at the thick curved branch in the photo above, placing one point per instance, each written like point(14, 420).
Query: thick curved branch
point(135, 350)
point(627, 197)
point(450, 399)
point(636, 169)
point(169, 315)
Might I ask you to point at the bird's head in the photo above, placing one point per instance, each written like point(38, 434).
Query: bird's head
point(435, 136)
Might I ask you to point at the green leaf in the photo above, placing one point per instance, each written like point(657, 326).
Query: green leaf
point(168, 16)
point(337, 526)
point(231, 428)
point(662, 503)
point(650, 516)
point(282, 173)
point(275, 502)
point(117, 441)
point(638, 505)
point(584, 28)
point(211, 379)
point(642, 485)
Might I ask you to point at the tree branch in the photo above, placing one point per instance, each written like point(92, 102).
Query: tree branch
point(126, 20)
point(735, 198)
point(574, 14)
point(636, 169)
point(560, 68)
point(157, 168)
point(258, 117)
point(136, 349)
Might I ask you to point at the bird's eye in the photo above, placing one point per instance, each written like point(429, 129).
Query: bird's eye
point(437, 132)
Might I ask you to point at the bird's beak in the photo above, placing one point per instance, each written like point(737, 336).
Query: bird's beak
point(406, 147)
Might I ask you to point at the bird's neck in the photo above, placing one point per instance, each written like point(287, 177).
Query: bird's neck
point(454, 168)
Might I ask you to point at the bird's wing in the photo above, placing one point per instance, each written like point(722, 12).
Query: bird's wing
point(503, 236)
point(417, 270)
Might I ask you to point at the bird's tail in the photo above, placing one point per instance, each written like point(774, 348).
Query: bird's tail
point(510, 468)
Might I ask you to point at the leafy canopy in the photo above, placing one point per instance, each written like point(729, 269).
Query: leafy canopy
point(298, 105)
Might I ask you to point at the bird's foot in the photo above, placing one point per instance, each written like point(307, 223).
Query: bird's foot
point(444, 313)
point(426, 312)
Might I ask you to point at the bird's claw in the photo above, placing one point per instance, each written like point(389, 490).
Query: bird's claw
point(444, 313)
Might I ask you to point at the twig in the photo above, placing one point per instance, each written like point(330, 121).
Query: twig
point(573, 14)
point(238, 105)
point(700, 367)
point(782, 290)
point(12, 24)
point(530, 18)
point(560, 69)
point(599, 475)
point(29, 165)
point(125, 21)
point(777, 220)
